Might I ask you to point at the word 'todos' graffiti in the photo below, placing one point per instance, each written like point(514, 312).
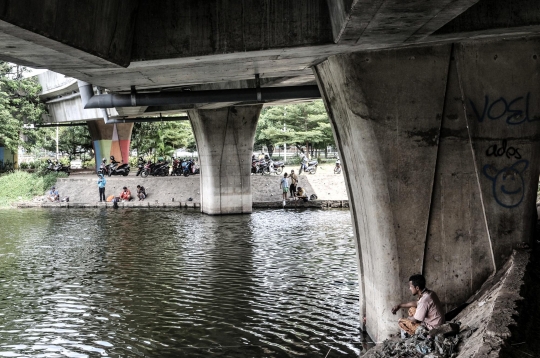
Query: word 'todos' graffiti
point(496, 151)
point(516, 111)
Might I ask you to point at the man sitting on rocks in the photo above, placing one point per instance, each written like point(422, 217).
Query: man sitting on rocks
point(53, 195)
point(426, 311)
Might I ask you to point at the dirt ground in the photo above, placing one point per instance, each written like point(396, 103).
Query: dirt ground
point(81, 187)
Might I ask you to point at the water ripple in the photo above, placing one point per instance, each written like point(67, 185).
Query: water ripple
point(163, 283)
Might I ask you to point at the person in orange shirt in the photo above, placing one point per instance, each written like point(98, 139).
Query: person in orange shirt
point(125, 195)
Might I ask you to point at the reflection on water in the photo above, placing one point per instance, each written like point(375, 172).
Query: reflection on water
point(163, 283)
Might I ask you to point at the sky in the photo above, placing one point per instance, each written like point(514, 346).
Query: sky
point(32, 72)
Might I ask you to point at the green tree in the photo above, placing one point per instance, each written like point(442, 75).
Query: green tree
point(72, 141)
point(162, 138)
point(19, 104)
point(304, 124)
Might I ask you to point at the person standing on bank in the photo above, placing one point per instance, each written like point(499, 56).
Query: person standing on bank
point(101, 185)
point(284, 184)
point(426, 311)
point(294, 182)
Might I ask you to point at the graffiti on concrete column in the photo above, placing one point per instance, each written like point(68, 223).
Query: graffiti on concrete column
point(503, 149)
point(513, 110)
point(508, 183)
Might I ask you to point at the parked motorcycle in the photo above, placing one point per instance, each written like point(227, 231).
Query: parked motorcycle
point(189, 167)
point(278, 167)
point(57, 167)
point(103, 169)
point(271, 167)
point(264, 167)
point(337, 168)
point(116, 168)
point(177, 167)
point(155, 169)
point(310, 167)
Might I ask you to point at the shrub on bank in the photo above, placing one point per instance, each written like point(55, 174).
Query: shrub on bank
point(21, 185)
point(89, 164)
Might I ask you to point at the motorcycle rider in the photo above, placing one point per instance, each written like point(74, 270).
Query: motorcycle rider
point(254, 164)
point(304, 163)
point(337, 168)
point(103, 166)
point(101, 185)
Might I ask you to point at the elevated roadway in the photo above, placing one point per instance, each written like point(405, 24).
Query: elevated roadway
point(434, 106)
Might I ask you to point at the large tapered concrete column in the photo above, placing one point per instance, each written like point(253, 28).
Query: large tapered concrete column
point(440, 151)
point(225, 145)
point(386, 115)
point(110, 139)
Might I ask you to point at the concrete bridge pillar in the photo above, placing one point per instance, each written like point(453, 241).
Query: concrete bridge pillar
point(225, 146)
point(440, 153)
point(110, 139)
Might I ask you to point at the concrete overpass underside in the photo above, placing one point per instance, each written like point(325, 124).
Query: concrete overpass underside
point(434, 106)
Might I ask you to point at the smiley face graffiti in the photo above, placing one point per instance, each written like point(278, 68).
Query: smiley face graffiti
point(508, 183)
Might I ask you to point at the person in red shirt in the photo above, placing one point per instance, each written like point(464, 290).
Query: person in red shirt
point(427, 311)
point(125, 195)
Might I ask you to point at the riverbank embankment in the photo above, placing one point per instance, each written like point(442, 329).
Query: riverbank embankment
point(81, 188)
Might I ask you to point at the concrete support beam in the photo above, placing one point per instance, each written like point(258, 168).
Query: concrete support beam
point(368, 21)
point(491, 15)
point(422, 200)
point(225, 145)
point(87, 33)
point(194, 28)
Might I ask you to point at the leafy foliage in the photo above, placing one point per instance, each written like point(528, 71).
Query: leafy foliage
point(298, 124)
point(72, 141)
point(162, 138)
point(21, 185)
point(19, 104)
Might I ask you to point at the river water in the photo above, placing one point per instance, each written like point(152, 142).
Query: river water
point(169, 283)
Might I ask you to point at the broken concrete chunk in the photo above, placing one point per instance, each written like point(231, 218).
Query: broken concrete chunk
point(421, 332)
point(447, 329)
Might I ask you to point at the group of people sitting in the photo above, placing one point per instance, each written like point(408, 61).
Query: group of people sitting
point(295, 192)
point(125, 195)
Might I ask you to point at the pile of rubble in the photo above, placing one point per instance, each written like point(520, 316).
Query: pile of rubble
point(441, 342)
